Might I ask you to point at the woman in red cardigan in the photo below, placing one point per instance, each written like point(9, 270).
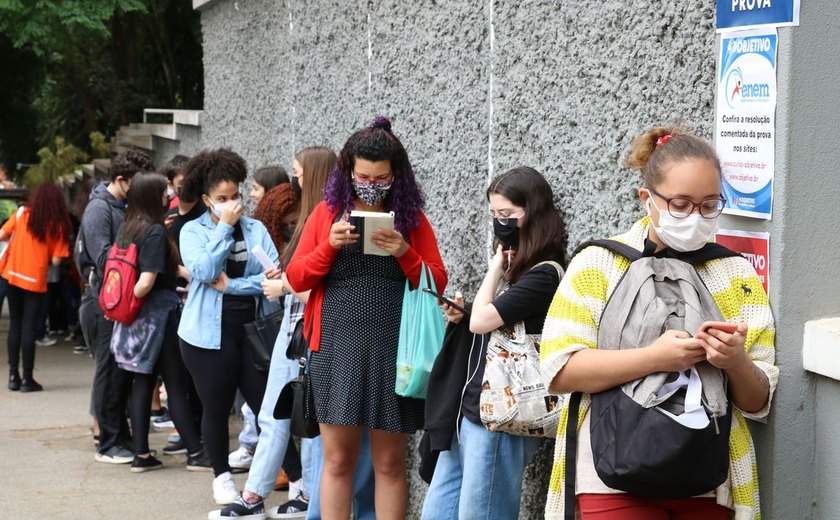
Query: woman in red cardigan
point(352, 319)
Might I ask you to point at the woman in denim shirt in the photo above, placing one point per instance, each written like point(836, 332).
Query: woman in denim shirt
point(225, 293)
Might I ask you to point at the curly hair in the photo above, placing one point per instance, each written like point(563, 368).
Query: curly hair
point(211, 167)
point(175, 166)
point(128, 163)
point(660, 147)
point(377, 143)
point(48, 215)
point(276, 204)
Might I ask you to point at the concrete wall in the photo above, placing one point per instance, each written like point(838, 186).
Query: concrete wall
point(474, 89)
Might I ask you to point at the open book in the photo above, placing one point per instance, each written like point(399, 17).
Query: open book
point(367, 222)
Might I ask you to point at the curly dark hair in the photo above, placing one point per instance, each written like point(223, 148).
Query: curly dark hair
point(176, 165)
point(211, 167)
point(275, 205)
point(48, 215)
point(377, 143)
point(130, 162)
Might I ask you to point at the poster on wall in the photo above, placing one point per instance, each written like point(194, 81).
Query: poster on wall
point(745, 136)
point(752, 14)
point(754, 246)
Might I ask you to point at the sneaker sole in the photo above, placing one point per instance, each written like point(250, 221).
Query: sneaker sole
point(203, 469)
point(145, 469)
point(301, 514)
point(182, 451)
point(113, 460)
point(217, 514)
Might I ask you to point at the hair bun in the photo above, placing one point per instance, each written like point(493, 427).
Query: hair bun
point(381, 122)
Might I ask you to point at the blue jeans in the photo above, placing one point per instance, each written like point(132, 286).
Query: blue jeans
point(249, 436)
point(481, 478)
point(274, 434)
point(363, 485)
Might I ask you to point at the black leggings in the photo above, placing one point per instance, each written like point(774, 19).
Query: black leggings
point(23, 310)
point(184, 403)
point(171, 367)
point(217, 375)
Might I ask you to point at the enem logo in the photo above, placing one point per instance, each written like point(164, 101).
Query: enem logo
point(739, 91)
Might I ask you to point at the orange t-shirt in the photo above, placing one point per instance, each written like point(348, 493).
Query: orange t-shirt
point(26, 260)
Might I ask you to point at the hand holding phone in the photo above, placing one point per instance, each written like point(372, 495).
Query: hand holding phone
point(447, 301)
point(723, 326)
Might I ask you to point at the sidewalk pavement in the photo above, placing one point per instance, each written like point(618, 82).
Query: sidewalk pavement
point(46, 454)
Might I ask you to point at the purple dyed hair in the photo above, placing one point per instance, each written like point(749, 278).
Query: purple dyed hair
point(377, 143)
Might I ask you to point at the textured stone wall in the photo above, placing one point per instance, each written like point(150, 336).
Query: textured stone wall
point(473, 89)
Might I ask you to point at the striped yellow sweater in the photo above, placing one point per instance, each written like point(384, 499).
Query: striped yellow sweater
point(572, 325)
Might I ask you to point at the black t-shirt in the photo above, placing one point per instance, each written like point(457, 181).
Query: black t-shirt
point(526, 300)
point(153, 257)
point(179, 220)
point(237, 307)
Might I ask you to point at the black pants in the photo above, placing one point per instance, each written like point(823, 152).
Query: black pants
point(184, 402)
point(111, 385)
point(217, 375)
point(291, 462)
point(23, 310)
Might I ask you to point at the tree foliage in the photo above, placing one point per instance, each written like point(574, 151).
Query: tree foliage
point(60, 159)
point(93, 65)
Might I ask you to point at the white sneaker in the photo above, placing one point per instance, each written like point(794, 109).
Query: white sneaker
point(224, 489)
point(46, 341)
point(295, 489)
point(241, 459)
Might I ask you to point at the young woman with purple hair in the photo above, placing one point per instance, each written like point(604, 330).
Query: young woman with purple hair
point(352, 318)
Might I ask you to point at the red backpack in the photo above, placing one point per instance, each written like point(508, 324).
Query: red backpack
point(116, 298)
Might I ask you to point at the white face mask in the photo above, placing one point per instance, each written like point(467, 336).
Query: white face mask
point(683, 234)
point(218, 207)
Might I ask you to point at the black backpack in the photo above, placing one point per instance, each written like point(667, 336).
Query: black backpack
point(644, 440)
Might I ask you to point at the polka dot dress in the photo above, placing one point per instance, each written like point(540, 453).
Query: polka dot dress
point(353, 373)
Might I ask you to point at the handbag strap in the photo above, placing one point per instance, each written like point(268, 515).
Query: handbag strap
point(571, 456)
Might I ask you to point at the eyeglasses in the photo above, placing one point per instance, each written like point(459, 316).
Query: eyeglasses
point(503, 219)
point(383, 183)
point(680, 207)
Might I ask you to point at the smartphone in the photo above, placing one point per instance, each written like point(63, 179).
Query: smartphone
point(729, 328)
point(447, 301)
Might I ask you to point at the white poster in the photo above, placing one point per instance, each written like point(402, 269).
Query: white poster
point(745, 130)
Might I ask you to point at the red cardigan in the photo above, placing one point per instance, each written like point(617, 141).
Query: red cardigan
point(314, 257)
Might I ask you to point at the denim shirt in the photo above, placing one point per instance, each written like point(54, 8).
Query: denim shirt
point(204, 250)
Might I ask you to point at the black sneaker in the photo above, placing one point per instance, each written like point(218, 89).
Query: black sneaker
point(292, 509)
point(30, 385)
point(240, 509)
point(141, 465)
point(199, 462)
point(175, 448)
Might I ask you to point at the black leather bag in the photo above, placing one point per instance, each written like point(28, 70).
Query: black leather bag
point(295, 403)
point(297, 344)
point(261, 335)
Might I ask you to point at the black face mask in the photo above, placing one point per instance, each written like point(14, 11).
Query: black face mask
point(296, 187)
point(508, 234)
point(288, 233)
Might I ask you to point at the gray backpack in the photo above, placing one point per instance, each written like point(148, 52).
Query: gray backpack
point(665, 435)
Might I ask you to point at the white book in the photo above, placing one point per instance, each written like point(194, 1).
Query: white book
point(368, 222)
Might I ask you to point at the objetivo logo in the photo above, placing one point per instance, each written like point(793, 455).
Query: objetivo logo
point(739, 91)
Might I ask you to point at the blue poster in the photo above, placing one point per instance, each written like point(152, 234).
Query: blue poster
point(751, 14)
point(745, 124)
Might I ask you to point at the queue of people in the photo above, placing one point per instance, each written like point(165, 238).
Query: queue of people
point(657, 330)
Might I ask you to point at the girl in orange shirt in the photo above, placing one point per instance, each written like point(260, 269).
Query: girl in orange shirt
point(37, 235)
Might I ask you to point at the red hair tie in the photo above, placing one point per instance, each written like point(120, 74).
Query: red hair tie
point(662, 140)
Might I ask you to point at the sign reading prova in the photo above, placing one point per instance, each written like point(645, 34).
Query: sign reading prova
point(751, 14)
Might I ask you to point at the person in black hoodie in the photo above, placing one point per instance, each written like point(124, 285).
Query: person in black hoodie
point(102, 218)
